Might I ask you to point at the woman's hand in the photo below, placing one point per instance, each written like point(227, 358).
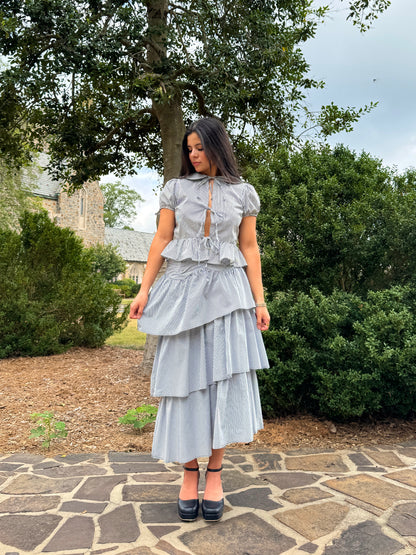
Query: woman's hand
point(138, 304)
point(263, 318)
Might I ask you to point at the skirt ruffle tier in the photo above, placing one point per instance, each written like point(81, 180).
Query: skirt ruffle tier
point(191, 294)
point(208, 351)
point(225, 412)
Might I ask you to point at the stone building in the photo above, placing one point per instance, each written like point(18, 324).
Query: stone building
point(83, 212)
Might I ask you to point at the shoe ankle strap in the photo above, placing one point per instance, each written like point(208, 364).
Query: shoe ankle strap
point(214, 469)
point(191, 469)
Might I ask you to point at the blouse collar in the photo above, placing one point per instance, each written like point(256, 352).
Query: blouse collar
point(202, 177)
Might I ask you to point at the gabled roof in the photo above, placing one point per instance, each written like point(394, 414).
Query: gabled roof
point(133, 246)
point(38, 180)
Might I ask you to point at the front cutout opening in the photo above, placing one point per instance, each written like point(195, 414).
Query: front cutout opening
point(207, 226)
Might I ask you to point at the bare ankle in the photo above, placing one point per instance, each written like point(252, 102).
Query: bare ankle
point(213, 485)
point(189, 488)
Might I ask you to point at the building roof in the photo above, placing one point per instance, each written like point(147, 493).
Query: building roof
point(39, 181)
point(133, 246)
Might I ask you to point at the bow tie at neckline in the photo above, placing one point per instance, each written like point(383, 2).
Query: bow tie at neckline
point(202, 178)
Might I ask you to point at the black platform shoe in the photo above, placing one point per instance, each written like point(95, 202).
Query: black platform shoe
point(188, 509)
point(212, 510)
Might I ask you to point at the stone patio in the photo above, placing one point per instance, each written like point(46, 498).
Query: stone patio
point(331, 503)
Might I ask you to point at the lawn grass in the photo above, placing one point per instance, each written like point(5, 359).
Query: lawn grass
point(129, 337)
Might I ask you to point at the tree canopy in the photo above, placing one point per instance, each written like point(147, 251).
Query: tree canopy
point(106, 260)
point(119, 204)
point(363, 12)
point(334, 219)
point(111, 85)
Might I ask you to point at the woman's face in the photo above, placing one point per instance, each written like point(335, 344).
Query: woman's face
point(198, 157)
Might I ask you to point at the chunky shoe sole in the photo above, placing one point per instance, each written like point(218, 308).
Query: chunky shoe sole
point(212, 510)
point(188, 510)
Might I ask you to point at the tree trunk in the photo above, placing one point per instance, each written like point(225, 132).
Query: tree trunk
point(172, 129)
point(168, 111)
point(148, 355)
point(166, 102)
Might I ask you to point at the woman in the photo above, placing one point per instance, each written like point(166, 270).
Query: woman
point(208, 310)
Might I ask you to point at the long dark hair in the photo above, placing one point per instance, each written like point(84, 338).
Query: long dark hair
point(217, 147)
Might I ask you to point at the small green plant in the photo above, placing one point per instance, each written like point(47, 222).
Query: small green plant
point(139, 417)
point(47, 427)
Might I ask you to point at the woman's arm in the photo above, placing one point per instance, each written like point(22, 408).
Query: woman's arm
point(248, 245)
point(163, 236)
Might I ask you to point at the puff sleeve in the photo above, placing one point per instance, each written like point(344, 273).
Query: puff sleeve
point(167, 197)
point(251, 204)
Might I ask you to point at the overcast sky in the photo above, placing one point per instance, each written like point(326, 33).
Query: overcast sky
point(358, 68)
point(378, 65)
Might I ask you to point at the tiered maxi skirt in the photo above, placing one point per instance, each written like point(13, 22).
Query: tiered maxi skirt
point(209, 349)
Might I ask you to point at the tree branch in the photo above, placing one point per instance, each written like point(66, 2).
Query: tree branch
point(306, 130)
point(105, 26)
point(202, 109)
point(175, 7)
point(117, 128)
point(137, 56)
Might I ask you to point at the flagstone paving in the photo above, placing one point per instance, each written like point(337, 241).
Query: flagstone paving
point(360, 502)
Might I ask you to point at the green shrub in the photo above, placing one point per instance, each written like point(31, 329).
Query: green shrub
point(341, 356)
point(337, 233)
point(50, 296)
point(127, 287)
point(106, 260)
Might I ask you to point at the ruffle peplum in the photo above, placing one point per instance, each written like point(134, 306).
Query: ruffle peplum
point(204, 249)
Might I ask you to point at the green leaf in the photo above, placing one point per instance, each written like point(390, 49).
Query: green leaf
point(143, 421)
point(37, 432)
point(149, 409)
